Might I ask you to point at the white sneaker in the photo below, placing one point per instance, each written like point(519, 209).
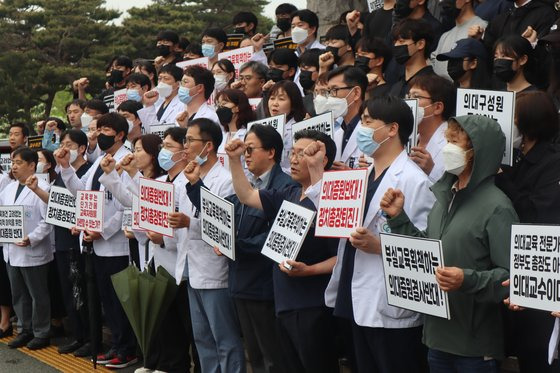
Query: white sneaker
point(144, 370)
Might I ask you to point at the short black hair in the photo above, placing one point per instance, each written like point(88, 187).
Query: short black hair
point(330, 146)
point(122, 61)
point(285, 8)
point(172, 70)
point(338, 32)
point(76, 102)
point(378, 47)
point(439, 89)
point(130, 106)
point(26, 155)
point(202, 76)
point(536, 116)
point(114, 121)
point(77, 136)
point(148, 66)
point(284, 56)
point(415, 29)
point(392, 109)
point(352, 76)
point(194, 48)
point(227, 66)
point(216, 33)
point(177, 134)
point(168, 35)
point(311, 57)
point(209, 130)
point(183, 43)
point(23, 126)
point(247, 17)
point(97, 105)
point(140, 79)
point(308, 17)
point(269, 138)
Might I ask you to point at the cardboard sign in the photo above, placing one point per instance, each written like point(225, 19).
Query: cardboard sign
point(498, 105)
point(237, 57)
point(322, 123)
point(6, 162)
point(277, 122)
point(288, 232)
point(61, 208)
point(159, 129)
point(156, 202)
point(202, 61)
point(285, 43)
point(89, 210)
point(413, 139)
point(120, 97)
point(254, 102)
point(534, 266)
point(35, 142)
point(410, 274)
point(217, 222)
point(341, 203)
point(374, 5)
point(233, 42)
point(11, 224)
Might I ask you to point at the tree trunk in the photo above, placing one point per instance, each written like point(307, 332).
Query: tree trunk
point(329, 11)
point(49, 103)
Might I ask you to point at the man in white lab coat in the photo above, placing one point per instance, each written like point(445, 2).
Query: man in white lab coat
point(386, 338)
point(110, 247)
point(27, 260)
point(196, 87)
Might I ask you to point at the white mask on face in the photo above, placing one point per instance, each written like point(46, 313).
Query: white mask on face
point(220, 82)
point(338, 106)
point(517, 138)
point(164, 89)
point(422, 113)
point(86, 120)
point(320, 104)
point(454, 158)
point(73, 155)
point(299, 35)
point(130, 125)
point(41, 167)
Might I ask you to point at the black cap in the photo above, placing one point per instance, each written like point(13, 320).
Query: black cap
point(468, 47)
point(554, 35)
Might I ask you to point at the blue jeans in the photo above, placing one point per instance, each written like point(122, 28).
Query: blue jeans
point(216, 331)
point(443, 362)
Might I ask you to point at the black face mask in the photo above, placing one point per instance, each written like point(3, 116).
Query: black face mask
point(400, 52)
point(115, 77)
point(224, 115)
point(105, 142)
point(503, 69)
point(455, 68)
point(239, 30)
point(362, 63)
point(163, 50)
point(334, 51)
point(402, 9)
point(283, 24)
point(275, 75)
point(305, 80)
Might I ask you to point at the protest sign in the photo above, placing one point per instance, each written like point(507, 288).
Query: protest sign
point(285, 43)
point(156, 202)
point(89, 210)
point(202, 61)
point(413, 139)
point(277, 122)
point(498, 105)
point(159, 129)
point(410, 274)
point(374, 5)
point(341, 203)
point(237, 57)
point(233, 42)
point(131, 216)
point(61, 208)
point(11, 224)
point(322, 123)
point(6, 162)
point(127, 220)
point(224, 160)
point(254, 102)
point(120, 97)
point(288, 232)
point(217, 222)
point(35, 142)
point(534, 266)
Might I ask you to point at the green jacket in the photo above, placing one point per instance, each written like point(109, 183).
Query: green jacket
point(475, 235)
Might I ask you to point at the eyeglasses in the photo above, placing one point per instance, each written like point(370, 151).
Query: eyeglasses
point(188, 140)
point(297, 154)
point(249, 149)
point(414, 96)
point(321, 92)
point(245, 78)
point(333, 92)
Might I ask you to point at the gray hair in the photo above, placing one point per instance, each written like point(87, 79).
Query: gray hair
point(256, 67)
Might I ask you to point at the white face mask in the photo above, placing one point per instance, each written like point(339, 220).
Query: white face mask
point(86, 120)
point(220, 82)
point(299, 35)
point(338, 106)
point(130, 125)
point(41, 167)
point(422, 112)
point(164, 89)
point(320, 104)
point(517, 138)
point(73, 155)
point(454, 158)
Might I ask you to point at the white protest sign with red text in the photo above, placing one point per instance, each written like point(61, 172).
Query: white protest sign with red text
point(341, 203)
point(89, 210)
point(202, 61)
point(237, 57)
point(119, 97)
point(254, 102)
point(155, 204)
point(61, 208)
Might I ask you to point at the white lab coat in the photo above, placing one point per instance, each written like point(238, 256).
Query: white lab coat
point(435, 147)
point(206, 270)
point(369, 298)
point(40, 251)
point(148, 115)
point(288, 139)
point(113, 241)
point(351, 153)
point(208, 112)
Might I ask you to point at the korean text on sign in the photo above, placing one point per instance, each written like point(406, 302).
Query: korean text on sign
point(89, 210)
point(11, 224)
point(277, 122)
point(61, 208)
point(217, 222)
point(155, 204)
point(322, 123)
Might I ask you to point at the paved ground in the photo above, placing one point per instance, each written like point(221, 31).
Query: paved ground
point(16, 361)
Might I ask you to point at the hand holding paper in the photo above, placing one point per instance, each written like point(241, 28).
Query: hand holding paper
point(507, 302)
point(25, 242)
point(155, 237)
point(392, 202)
point(178, 220)
point(449, 278)
point(363, 239)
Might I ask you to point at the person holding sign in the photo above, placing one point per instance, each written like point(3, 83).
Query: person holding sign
point(473, 219)
point(306, 325)
point(382, 334)
point(27, 260)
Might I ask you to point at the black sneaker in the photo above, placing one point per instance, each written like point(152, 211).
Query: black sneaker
point(21, 340)
point(84, 351)
point(120, 362)
point(70, 347)
point(38, 343)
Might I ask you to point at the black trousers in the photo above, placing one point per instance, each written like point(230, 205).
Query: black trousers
point(383, 350)
point(58, 310)
point(122, 336)
point(308, 340)
point(171, 346)
point(5, 291)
